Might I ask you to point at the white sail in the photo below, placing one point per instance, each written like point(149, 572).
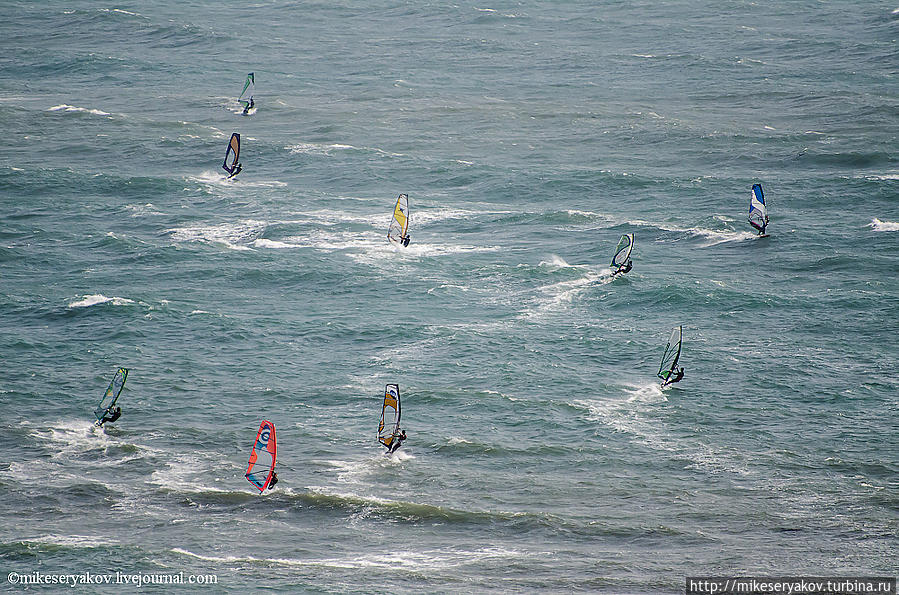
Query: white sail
point(623, 251)
point(671, 354)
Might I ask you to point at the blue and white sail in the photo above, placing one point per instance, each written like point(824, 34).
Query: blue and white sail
point(758, 211)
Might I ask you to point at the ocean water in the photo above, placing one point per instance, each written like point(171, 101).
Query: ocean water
point(542, 454)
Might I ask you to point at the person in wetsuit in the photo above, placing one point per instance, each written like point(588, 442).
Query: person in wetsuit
point(110, 415)
point(397, 441)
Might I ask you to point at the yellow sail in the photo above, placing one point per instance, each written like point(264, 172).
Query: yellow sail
point(399, 225)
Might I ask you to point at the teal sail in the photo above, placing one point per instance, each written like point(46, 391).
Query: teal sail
point(671, 354)
point(112, 393)
point(246, 96)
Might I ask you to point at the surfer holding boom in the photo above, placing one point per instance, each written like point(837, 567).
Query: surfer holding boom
point(398, 439)
point(110, 415)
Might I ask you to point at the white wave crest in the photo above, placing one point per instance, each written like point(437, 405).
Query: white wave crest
point(328, 149)
point(93, 300)
point(72, 108)
point(234, 236)
point(878, 225)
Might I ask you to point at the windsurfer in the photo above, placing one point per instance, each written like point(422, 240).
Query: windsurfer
point(674, 375)
point(110, 415)
point(274, 480)
point(398, 439)
point(405, 240)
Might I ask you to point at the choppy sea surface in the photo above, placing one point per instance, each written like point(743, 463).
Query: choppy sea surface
point(542, 454)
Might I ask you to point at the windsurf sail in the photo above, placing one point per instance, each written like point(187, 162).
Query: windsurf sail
point(671, 354)
point(112, 393)
point(758, 211)
point(390, 415)
point(399, 225)
point(249, 89)
point(623, 251)
point(263, 456)
point(234, 153)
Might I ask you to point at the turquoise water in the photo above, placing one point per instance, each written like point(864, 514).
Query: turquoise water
point(542, 455)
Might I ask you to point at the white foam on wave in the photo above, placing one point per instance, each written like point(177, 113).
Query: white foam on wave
point(74, 540)
point(357, 471)
point(427, 216)
point(407, 561)
point(186, 473)
point(556, 262)
point(93, 300)
point(71, 108)
point(212, 178)
point(557, 296)
point(144, 209)
point(381, 251)
point(274, 244)
point(381, 219)
point(73, 436)
point(375, 249)
point(234, 236)
point(249, 183)
point(120, 11)
point(878, 225)
point(328, 149)
point(332, 217)
point(640, 417)
point(448, 286)
point(630, 416)
point(879, 177)
point(714, 236)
